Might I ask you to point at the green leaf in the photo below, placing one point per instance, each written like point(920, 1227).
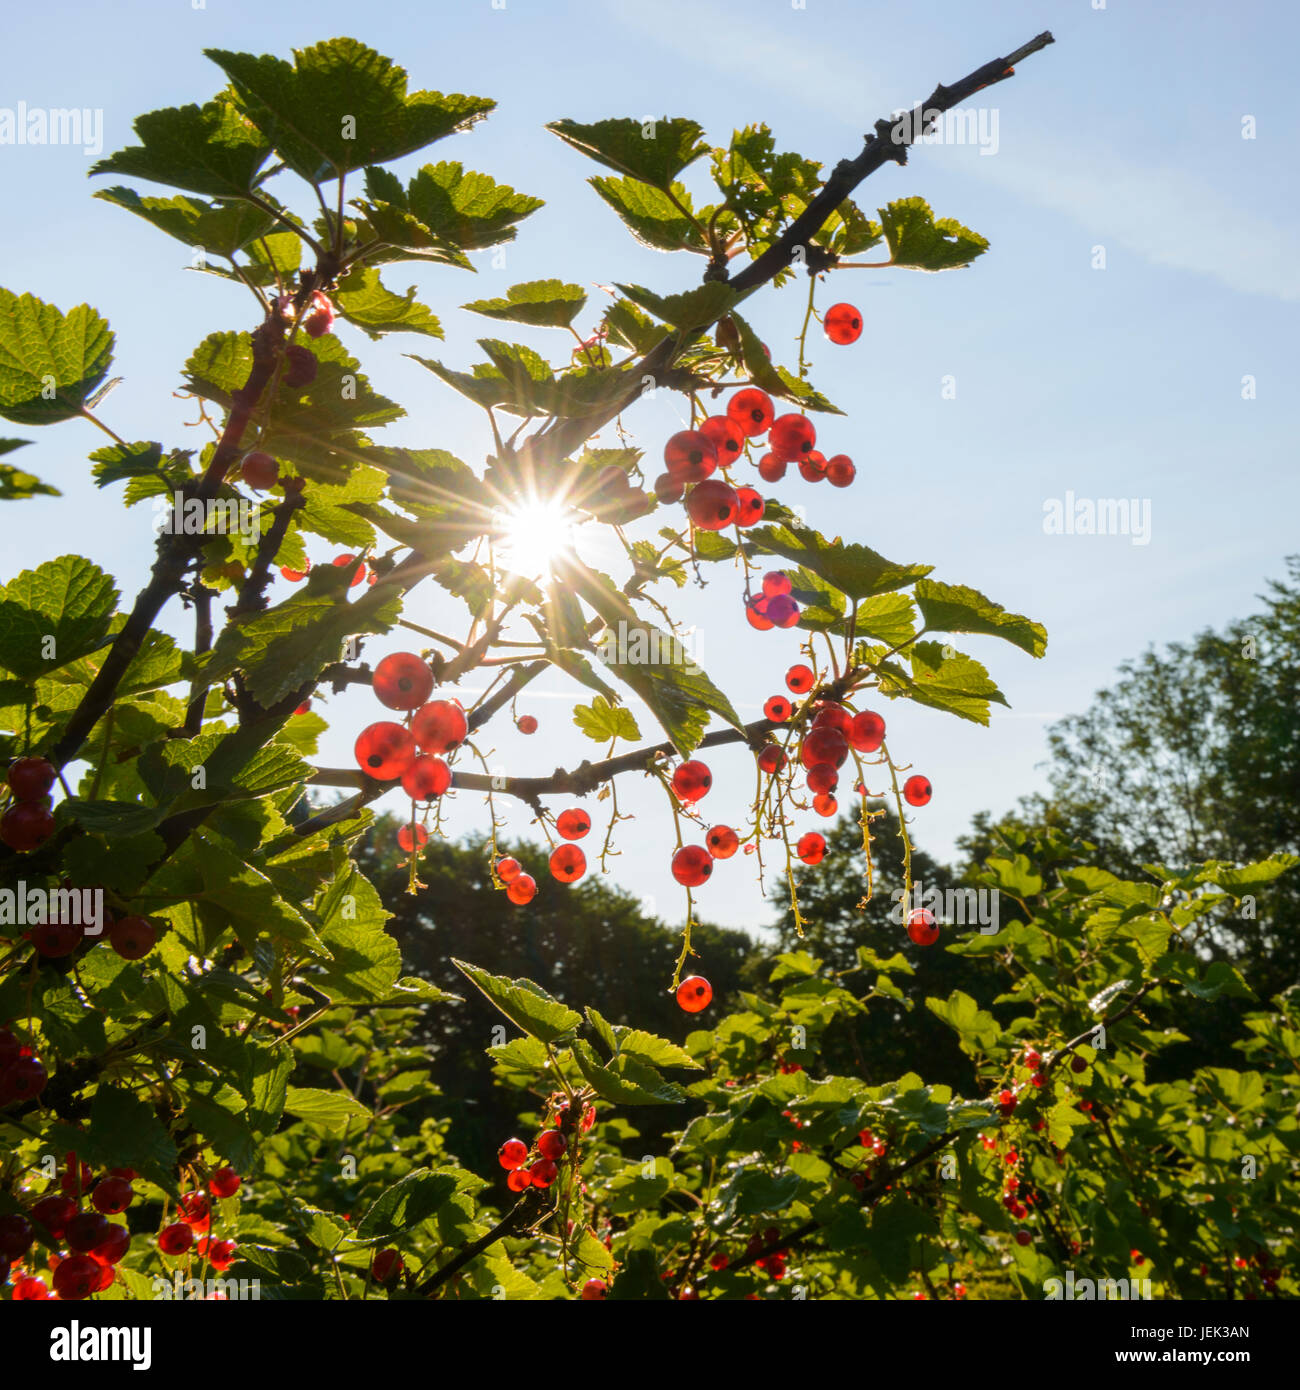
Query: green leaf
point(366, 959)
point(541, 303)
point(220, 229)
point(889, 618)
point(212, 149)
point(364, 301)
point(53, 615)
point(977, 1028)
point(956, 683)
point(330, 1109)
point(653, 217)
point(405, 1204)
point(955, 608)
point(626, 1081)
point(125, 1132)
point(919, 242)
point(50, 362)
point(655, 151)
point(117, 461)
point(696, 309)
point(15, 484)
point(1232, 878)
point(340, 106)
point(525, 1004)
point(605, 722)
point(855, 570)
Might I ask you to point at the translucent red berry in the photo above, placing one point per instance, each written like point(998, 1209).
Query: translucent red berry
point(694, 993)
point(867, 731)
point(811, 847)
point(722, 842)
point(522, 889)
point(712, 505)
point(53, 1212)
point(387, 1266)
point(782, 611)
point(776, 583)
point(426, 778)
point(692, 865)
point(402, 681)
point(777, 709)
point(132, 937)
point(824, 744)
point(175, 1239)
point(800, 679)
point(224, 1183)
point(1033, 1059)
point(822, 778)
point(552, 1144)
point(440, 726)
point(384, 750)
point(508, 869)
point(85, 1231)
point(843, 324)
point(573, 824)
point(543, 1172)
point(295, 576)
point(30, 1289)
point(568, 863)
point(832, 716)
point(220, 1253)
point(692, 780)
point(669, 488)
point(193, 1208)
point(751, 410)
point(113, 1247)
point(24, 1079)
point(112, 1196)
point(319, 318)
point(594, 1290)
point(771, 469)
point(756, 614)
point(812, 467)
point(922, 927)
point(519, 1179)
point(917, 791)
point(771, 758)
point(526, 724)
point(30, 778)
point(26, 825)
point(342, 562)
point(825, 805)
point(410, 838)
point(840, 471)
point(76, 1278)
point(726, 436)
point(749, 507)
point(512, 1153)
point(259, 470)
point(690, 456)
point(792, 436)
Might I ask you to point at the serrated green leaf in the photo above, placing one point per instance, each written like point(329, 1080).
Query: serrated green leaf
point(605, 722)
point(955, 608)
point(541, 303)
point(50, 362)
point(525, 1004)
point(654, 151)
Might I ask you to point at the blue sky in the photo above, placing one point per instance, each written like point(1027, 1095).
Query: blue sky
point(1117, 383)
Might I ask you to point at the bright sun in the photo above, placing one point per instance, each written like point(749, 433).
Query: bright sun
point(533, 536)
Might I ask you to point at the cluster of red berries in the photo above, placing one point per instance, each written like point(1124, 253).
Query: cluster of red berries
point(29, 821)
point(364, 572)
point(775, 1263)
point(540, 1165)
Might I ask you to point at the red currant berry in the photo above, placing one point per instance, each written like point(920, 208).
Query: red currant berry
point(922, 927)
point(771, 469)
point(426, 778)
point(594, 1290)
point(30, 1289)
point(543, 1172)
point(440, 726)
point(85, 1231)
point(56, 939)
point(132, 937)
point(259, 470)
point(694, 993)
point(917, 791)
point(812, 467)
point(712, 505)
point(384, 750)
point(824, 744)
point(402, 681)
point(522, 889)
point(1033, 1059)
point(15, 1237)
point(300, 366)
point(342, 561)
point(800, 679)
point(295, 576)
point(526, 724)
point(692, 865)
point(840, 471)
point(669, 488)
point(24, 1080)
point(833, 716)
point(776, 583)
point(53, 1212)
point(822, 779)
point(722, 842)
point(410, 838)
point(27, 825)
point(76, 1278)
point(519, 1180)
point(726, 436)
point(690, 456)
point(825, 805)
point(175, 1239)
point(568, 863)
point(1078, 1065)
point(782, 611)
point(692, 780)
point(811, 847)
point(220, 1253)
point(573, 824)
point(512, 1153)
point(31, 778)
point(552, 1144)
point(113, 1247)
point(751, 410)
point(867, 731)
point(843, 324)
point(749, 507)
point(792, 436)
point(718, 1261)
point(1023, 1237)
point(771, 758)
point(319, 318)
point(777, 709)
point(112, 1196)
point(756, 614)
point(193, 1208)
point(224, 1183)
point(509, 869)
point(387, 1266)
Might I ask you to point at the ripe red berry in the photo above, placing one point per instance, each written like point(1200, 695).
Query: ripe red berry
point(594, 1290)
point(690, 456)
point(543, 1172)
point(751, 410)
point(1033, 1059)
point(1078, 1065)
point(782, 611)
point(426, 778)
point(922, 927)
point(175, 1239)
point(726, 436)
point(840, 471)
point(791, 437)
point(384, 750)
point(512, 1153)
point(824, 744)
point(552, 1144)
point(113, 1247)
point(26, 825)
point(112, 1196)
point(132, 937)
point(712, 505)
point(410, 838)
point(771, 469)
point(825, 805)
point(15, 1237)
point(508, 869)
point(812, 467)
point(30, 778)
point(692, 865)
point(30, 1289)
point(522, 889)
point(295, 576)
point(259, 470)
point(56, 939)
point(519, 1179)
point(224, 1183)
point(573, 824)
point(833, 716)
point(300, 366)
point(85, 1231)
point(843, 324)
point(776, 583)
point(669, 488)
point(692, 780)
point(822, 778)
point(220, 1253)
point(342, 561)
point(722, 841)
point(402, 681)
point(440, 726)
point(777, 709)
point(387, 1266)
point(694, 993)
point(319, 318)
point(568, 863)
point(53, 1212)
point(193, 1208)
point(867, 731)
point(811, 847)
point(76, 1278)
point(756, 614)
point(1023, 1237)
point(917, 791)
point(800, 679)
point(771, 758)
point(23, 1080)
point(749, 507)
point(526, 724)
